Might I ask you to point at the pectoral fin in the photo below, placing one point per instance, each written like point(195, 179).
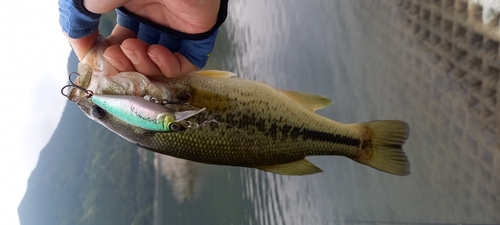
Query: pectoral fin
point(215, 73)
point(310, 101)
point(301, 167)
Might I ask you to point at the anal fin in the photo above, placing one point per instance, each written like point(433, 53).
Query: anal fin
point(301, 167)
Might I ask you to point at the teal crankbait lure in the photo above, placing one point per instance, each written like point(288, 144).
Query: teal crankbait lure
point(142, 113)
point(137, 111)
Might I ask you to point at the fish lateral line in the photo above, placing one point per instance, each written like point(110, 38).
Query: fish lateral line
point(193, 125)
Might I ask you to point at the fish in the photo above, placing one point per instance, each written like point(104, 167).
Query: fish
point(238, 122)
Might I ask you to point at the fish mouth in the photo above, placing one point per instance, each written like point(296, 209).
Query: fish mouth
point(97, 75)
point(90, 68)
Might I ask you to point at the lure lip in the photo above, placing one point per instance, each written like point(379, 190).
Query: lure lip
point(183, 115)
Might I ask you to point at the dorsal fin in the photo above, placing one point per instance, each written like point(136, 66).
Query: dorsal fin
point(310, 101)
point(216, 73)
point(301, 167)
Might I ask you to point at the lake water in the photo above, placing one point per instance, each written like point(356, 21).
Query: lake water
point(418, 61)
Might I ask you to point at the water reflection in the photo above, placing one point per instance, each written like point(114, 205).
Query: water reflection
point(375, 60)
point(182, 176)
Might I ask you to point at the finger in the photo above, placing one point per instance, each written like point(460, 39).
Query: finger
point(136, 51)
point(102, 7)
point(82, 45)
point(114, 54)
point(119, 34)
point(170, 64)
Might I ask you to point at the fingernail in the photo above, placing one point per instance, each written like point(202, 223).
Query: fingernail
point(116, 62)
point(131, 55)
point(155, 59)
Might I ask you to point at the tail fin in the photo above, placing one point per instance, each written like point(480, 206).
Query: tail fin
point(383, 146)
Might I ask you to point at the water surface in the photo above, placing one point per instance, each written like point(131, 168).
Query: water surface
point(372, 61)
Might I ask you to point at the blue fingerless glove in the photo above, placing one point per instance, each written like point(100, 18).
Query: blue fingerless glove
point(76, 20)
point(195, 47)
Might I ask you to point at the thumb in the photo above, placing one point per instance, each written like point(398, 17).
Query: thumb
point(101, 7)
point(82, 45)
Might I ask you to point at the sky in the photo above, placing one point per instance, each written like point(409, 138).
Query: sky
point(33, 58)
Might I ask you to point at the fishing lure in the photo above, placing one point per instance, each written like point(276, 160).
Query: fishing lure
point(139, 112)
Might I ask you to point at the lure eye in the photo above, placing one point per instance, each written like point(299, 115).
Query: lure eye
point(98, 112)
point(184, 96)
point(174, 127)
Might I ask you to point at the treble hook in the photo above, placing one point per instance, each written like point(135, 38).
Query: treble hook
point(72, 84)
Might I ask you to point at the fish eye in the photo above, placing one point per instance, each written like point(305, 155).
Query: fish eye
point(98, 112)
point(174, 127)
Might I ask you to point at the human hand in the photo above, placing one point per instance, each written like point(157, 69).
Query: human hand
point(127, 53)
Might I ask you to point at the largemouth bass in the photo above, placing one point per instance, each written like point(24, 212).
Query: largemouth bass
point(243, 123)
